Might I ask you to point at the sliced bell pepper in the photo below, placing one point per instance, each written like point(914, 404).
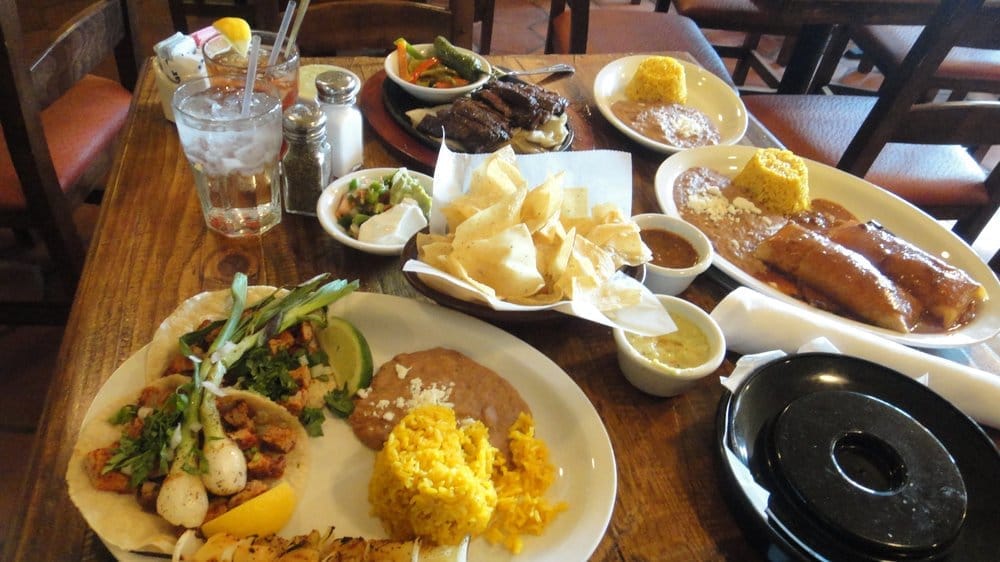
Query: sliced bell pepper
point(422, 67)
point(402, 60)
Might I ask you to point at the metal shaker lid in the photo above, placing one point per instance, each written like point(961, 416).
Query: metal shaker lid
point(303, 119)
point(337, 86)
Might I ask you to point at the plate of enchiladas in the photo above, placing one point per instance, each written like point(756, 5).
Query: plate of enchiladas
point(822, 239)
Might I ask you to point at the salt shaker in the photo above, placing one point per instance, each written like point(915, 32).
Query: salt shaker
point(305, 167)
point(336, 91)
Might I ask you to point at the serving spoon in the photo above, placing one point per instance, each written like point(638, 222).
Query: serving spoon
point(552, 69)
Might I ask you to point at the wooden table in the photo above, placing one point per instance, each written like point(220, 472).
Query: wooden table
point(152, 250)
point(819, 17)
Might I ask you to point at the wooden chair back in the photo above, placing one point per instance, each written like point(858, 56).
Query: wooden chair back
point(28, 85)
point(896, 117)
point(579, 26)
point(338, 26)
point(260, 14)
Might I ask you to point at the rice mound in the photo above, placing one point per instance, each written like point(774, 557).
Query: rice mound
point(658, 80)
point(432, 478)
point(776, 179)
point(521, 486)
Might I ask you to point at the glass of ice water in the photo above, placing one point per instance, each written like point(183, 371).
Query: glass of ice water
point(233, 155)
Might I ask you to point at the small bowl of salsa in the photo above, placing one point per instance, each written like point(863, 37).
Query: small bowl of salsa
point(681, 252)
point(668, 365)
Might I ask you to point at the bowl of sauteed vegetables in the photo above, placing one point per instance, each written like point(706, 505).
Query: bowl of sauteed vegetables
point(376, 210)
point(436, 72)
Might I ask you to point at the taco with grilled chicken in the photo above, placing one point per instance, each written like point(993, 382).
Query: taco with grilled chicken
point(146, 468)
point(276, 350)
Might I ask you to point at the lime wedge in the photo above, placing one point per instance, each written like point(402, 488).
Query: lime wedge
point(350, 357)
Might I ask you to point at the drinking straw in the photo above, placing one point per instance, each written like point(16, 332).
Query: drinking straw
point(282, 30)
point(299, 16)
point(251, 74)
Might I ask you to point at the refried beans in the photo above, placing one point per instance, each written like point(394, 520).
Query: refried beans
point(674, 124)
point(439, 376)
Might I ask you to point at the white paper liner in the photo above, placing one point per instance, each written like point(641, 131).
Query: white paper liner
point(606, 174)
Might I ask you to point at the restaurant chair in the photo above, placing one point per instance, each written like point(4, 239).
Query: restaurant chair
point(741, 16)
point(973, 65)
point(58, 121)
point(573, 30)
point(260, 14)
point(485, 10)
point(917, 151)
point(332, 27)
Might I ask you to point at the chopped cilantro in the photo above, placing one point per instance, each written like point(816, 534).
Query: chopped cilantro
point(312, 419)
point(265, 374)
point(149, 453)
point(125, 415)
point(339, 402)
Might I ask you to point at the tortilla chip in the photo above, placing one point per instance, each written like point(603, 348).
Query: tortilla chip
point(542, 204)
point(504, 261)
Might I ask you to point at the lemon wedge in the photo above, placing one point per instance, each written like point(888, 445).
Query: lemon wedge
point(236, 31)
point(265, 514)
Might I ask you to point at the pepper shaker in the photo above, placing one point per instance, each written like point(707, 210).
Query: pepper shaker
point(336, 91)
point(305, 167)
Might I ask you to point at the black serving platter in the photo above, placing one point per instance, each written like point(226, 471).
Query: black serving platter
point(397, 102)
point(828, 457)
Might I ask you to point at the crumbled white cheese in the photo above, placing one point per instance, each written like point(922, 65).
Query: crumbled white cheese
point(364, 392)
point(401, 371)
point(438, 395)
point(389, 416)
point(685, 126)
point(713, 203)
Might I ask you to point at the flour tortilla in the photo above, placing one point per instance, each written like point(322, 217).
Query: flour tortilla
point(211, 305)
point(118, 518)
point(214, 305)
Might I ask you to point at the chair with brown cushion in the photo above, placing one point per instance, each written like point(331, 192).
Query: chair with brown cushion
point(57, 121)
point(741, 16)
point(332, 26)
point(574, 27)
point(913, 150)
point(972, 66)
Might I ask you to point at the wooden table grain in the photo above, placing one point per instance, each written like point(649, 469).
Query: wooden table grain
point(152, 250)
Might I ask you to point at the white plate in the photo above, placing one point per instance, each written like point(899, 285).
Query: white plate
point(341, 466)
point(706, 93)
point(327, 203)
point(866, 201)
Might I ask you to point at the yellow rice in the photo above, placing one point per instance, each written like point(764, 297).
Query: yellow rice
point(658, 80)
point(777, 180)
point(521, 505)
point(440, 481)
point(432, 478)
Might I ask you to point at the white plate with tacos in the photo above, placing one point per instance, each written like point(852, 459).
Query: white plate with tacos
point(340, 466)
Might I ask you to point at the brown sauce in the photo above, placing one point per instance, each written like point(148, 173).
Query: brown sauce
point(473, 390)
point(669, 249)
point(674, 124)
point(707, 199)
